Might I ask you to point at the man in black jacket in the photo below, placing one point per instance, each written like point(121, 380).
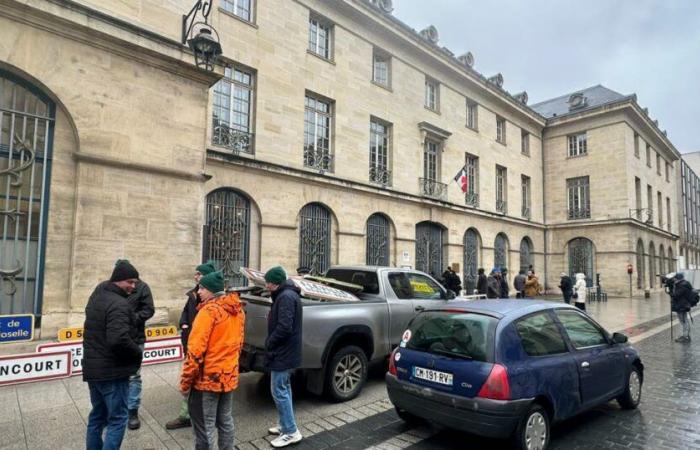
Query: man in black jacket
point(566, 285)
point(189, 312)
point(482, 282)
point(680, 304)
point(283, 350)
point(111, 356)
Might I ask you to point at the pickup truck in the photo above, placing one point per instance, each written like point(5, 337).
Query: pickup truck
point(341, 338)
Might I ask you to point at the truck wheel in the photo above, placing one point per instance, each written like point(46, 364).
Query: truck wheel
point(346, 373)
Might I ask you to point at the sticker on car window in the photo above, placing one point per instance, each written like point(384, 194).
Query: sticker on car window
point(406, 336)
point(419, 286)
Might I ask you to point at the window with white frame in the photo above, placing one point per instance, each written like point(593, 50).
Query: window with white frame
point(320, 37)
point(501, 189)
point(232, 118)
point(524, 142)
point(379, 142)
point(431, 160)
point(472, 115)
point(381, 68)
point(240, 8)
point(500, 130)
point(318, 115)
point(432, 94)
point(526, 202)
point(578, 144)
point(472, 169)
point(579, 202)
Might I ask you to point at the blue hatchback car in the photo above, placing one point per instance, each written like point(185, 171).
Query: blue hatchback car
point(509, 368)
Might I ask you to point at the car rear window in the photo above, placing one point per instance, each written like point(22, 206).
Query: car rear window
point(454, 334)
point(368, 280)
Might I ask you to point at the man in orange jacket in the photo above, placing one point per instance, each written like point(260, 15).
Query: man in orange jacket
point(210, 371)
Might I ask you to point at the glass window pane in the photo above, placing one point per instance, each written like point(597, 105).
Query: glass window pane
point(580, 330)
point(540, 335)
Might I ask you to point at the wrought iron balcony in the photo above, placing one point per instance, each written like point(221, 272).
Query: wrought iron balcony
point(471, 199)
point(380, 175)
point(235, 140)
point(433, 189)
point(321, 161)
point(579, 213)
point(502, 206)
point(645, 215)
point(526, 212)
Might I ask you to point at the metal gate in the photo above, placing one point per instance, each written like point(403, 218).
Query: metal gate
point(429, 248)
point(227, 234)
point(26, 134)
point(378, 240)
point(471, 260)
point(500, 251)
point(652, 265)
point(581, 258)
point(526, 254)
point(640, 265)
point(315, 238)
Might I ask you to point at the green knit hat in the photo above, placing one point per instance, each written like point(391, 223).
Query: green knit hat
point(213, 282)
point(206, 268)
point(276, 275)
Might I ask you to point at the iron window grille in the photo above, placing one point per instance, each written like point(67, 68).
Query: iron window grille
point(381, 68)
point(501, 130)
point(433, 189)
point(471, 199)
point(645, 215)
point(315, 238)
point(240, 8)
point(318, 134)
point(500, 249)
point(429, 248)
point(579, 205)
point(640, 265)
point(581, 258)
point(578, 144)
point(472, 115)
point(471, 260)
point(526, 251)
point(379, 149)
point(432, 94)
point(233, 111)
point(378, 241)
point(320, 37)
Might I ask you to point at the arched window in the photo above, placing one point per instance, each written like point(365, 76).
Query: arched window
point(26, 133)
point(378, 240)
point(472, 249)
point(429, 248)
point(671, 262)
point(526, 256)
point(227, 233)
point(581, 258)
point(640, 264)
point(315, 238)
point(500, 251)
point(662, 260)
point(652, 265)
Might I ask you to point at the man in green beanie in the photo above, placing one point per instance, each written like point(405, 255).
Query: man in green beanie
point(189, 312)
point(283, 350)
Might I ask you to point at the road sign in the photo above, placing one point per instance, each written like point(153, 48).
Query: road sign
point(165, 352)
point(160, 332)
point(15, 369)
point(76, 334)
point(70, 334)
point(16, 328)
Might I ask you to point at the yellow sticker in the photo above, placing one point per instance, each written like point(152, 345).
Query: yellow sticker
point(70, 334)
point(422, 287)
point(159, 332)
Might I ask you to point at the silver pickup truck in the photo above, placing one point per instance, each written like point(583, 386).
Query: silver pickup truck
point(341, 338)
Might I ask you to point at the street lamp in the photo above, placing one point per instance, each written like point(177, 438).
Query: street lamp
point(205, 44)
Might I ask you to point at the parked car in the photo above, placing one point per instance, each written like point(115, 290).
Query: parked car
point(509, 368)
point(341, 338)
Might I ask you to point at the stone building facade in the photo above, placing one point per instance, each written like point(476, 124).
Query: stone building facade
point(329, 132)
point(688, 192)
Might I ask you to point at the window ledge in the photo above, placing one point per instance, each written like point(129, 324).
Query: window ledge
point(436, 111)
point(383, 86)
point(501, 142)
point(240, 19)
point(525, 154)
point(475, 130)
point(577, 156)
point(321, 57)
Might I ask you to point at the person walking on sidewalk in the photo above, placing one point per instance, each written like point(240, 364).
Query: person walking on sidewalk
point(210, 371)
point(482, 282)
point(580, 292)
point(493, 284)
point(680, 304)
point(283, 350)
point(503, 279)
point(519, 284)
point(111, 356)
point(567, 287)
point(189, 312)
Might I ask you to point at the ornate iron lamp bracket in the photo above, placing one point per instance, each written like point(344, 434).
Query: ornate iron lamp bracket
point(189, 20)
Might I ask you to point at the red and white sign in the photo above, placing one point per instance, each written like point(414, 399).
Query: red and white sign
point(15, 369)
point(162, 353)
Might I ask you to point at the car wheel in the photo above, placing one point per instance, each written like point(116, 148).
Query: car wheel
point(532, 432)
point(346, 373)
point(407, 417)
point(633, 391)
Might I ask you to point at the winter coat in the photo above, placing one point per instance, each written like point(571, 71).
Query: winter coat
point(493, 287)
point(566, 285)
point(283, 343)
point(141, 301)
point(532, 287)
point(189, 312)
point(214, 346)
point(519, 282)
point(110, 347)
point(580, 288)
point(452, 281)
point(682, 293)
point(505, 290)
point(482, 284)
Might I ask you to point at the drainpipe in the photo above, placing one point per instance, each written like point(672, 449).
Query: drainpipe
point(544, 211)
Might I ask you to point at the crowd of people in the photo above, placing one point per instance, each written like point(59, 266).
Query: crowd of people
point(212, 328)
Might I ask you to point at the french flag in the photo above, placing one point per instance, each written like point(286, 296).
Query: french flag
point(461, 180)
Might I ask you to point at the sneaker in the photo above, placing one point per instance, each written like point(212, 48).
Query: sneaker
point(134, 421)
point(274, 430)
point(286, 439)
point(680, 339)
point(178, 423)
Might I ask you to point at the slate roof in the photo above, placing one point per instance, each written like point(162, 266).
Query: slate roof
point(595, 97)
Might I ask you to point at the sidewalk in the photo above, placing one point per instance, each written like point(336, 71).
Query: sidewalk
point(53, 415)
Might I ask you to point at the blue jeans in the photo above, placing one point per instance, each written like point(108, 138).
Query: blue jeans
point(109, 409)
point(282, 395)
point(135, 388)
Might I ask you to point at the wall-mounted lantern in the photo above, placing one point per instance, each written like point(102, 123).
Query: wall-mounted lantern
point(205, 43)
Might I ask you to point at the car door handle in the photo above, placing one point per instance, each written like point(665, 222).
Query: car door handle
point(585, 365)
point(419, 309)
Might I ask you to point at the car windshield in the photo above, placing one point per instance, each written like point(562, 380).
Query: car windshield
point(463, 335)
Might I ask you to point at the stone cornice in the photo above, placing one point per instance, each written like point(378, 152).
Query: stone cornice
point(139, 167)
point(604, 222)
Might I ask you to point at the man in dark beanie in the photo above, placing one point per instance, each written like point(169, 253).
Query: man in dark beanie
point(283, 350)
point(111, 356)
point(186, 320)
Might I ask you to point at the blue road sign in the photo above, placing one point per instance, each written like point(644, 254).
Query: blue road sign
point(16, 328)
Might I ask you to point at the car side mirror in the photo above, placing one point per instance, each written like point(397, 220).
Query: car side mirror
point(449, 295)
point(619, 338)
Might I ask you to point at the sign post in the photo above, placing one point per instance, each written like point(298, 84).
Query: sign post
point(16, 328)
point(630, 269)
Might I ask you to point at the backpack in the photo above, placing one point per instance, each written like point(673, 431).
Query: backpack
point(694, 298)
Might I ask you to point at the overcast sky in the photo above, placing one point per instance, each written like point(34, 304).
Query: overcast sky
point(553, 47)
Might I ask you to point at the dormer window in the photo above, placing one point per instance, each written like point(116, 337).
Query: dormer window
point(577, 101)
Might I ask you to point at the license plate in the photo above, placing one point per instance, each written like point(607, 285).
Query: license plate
point(433, 376)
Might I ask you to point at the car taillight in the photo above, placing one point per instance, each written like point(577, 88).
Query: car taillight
point(392, 365)
point(496, 386)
